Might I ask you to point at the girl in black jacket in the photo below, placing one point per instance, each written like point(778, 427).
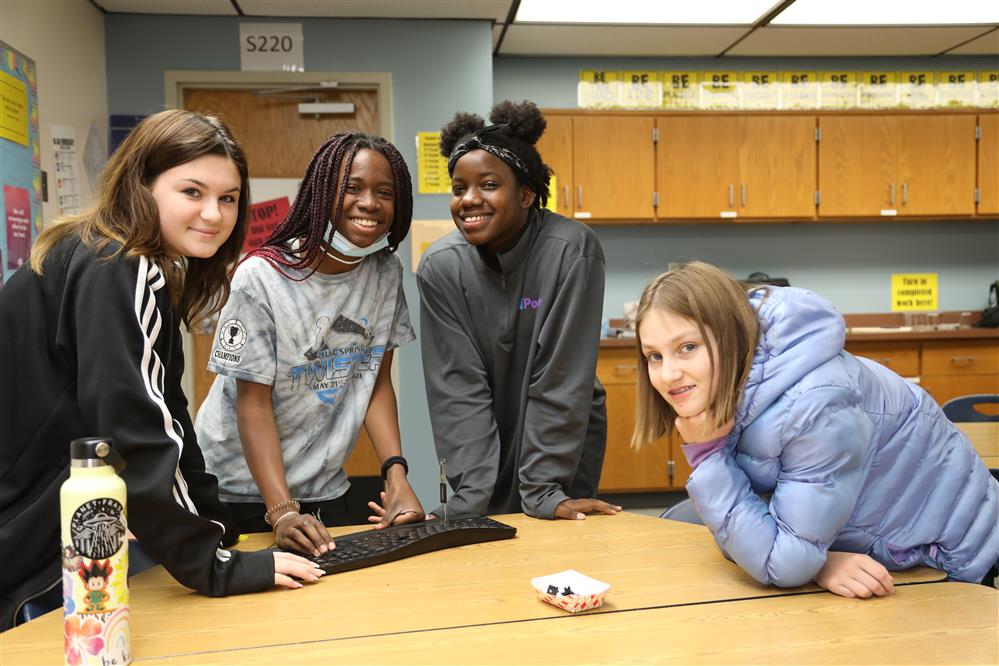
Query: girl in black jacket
point(90, 337)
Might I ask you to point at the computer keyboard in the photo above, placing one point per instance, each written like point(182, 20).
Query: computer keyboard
point(365, 549)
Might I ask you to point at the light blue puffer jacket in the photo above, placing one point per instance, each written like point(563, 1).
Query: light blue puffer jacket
point(852, 457)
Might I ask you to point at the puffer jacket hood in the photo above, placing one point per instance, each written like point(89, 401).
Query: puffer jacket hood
point(799, 331)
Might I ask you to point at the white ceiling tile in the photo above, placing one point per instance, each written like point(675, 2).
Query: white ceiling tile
point(987, 44)
point(588, 40)
point(200, 7)
point(495, 10)
point(852, 41)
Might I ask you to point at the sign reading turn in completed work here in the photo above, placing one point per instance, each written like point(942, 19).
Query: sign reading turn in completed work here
point(914, 292)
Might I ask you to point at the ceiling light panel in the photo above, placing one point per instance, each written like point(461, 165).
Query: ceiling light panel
point(639, 12)
point(889, 12)
point(494, 10)
point(199, 7)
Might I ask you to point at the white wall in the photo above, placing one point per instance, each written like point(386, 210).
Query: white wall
point(65, 38)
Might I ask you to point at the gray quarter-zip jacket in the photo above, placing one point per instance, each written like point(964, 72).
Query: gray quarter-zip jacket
point(510, 359)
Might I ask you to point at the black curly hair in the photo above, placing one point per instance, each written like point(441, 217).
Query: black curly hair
point(322, 191)
point(517, 129)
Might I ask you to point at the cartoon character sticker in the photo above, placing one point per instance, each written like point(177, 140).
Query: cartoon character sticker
point(95, 578)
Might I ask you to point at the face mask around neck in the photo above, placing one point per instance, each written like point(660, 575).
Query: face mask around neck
point(340, 243)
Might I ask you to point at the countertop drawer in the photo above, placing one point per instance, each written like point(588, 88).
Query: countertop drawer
point(901, 357)
point(961, 358)
point(617, 366)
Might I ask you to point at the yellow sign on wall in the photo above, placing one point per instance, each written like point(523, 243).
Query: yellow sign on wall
point(432, 166)
point(14, 109)
point(914, 292)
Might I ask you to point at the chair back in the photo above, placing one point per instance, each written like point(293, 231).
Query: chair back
point(962, 408)
point(684, 512)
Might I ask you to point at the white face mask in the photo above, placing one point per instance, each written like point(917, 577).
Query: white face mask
point(341, 244)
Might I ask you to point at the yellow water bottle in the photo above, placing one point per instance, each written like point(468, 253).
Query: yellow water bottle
point(95, 556)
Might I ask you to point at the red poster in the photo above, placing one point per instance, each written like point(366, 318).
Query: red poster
point(17, 212)
point(264, 216)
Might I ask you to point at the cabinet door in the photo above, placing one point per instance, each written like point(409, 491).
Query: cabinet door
point(555, 147)
point(988, 165)
point(776, 166)
point(945, 387)
point(857, 158)
point(679, 469)
point(697, 159)
point(613, 167)
point(625, 469)
point(936, 165)
point(902, 357)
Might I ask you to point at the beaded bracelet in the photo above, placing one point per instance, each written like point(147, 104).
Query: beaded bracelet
point(280, 505)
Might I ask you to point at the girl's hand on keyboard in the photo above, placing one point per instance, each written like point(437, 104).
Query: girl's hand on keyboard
point(400, 505)
point(288, 567)
point(303, 533)
point(576, 509)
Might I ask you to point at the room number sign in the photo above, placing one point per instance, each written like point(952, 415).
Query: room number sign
point(274, 47)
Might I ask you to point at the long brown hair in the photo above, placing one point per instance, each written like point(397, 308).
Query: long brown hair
point(126, 213)
point(320, 200)
point(715, 301)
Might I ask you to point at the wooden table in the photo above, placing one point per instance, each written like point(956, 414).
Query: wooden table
point(985, 438)
point(475, 604)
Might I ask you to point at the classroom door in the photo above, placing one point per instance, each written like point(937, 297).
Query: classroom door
point(279, 142)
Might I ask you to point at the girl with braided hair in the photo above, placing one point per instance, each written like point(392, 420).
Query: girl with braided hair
point(510, 310)
point(304, 349)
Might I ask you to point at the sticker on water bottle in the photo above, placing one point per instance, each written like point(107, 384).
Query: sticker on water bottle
point(98, 528)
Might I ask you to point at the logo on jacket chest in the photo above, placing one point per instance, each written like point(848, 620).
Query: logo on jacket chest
point(528, 303)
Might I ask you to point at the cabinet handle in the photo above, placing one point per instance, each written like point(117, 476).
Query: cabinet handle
point(620, 369)
point(962, 360)
point(670, 470)
point(579, 196)
point(731, 195)
point(905, 192)
point(891, 194)
point(565, 192)
point(743, 189)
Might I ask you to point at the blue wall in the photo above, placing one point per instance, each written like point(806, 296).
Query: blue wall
point(437, 67)
point(850, 264)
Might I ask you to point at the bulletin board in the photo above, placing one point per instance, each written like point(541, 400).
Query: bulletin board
point(20, 160)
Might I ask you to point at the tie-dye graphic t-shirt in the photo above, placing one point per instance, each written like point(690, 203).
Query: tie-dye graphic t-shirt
point(319, 343)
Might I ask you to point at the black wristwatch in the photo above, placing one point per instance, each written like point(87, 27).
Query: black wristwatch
point(393, 460)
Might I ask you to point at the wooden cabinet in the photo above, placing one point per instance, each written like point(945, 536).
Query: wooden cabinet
point(777, 166)
point(902, 357)
point(988, 164)
point(959, 367)
point(736, 166)
point(555, 147)
point(654, 467)
point(613, 167)
point(912, 165)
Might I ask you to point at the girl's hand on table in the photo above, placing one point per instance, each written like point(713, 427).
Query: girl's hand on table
point(854, 575)
point(288, 567)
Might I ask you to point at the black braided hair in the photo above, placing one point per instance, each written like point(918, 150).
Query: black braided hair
point(524, 125)
point(307, 219)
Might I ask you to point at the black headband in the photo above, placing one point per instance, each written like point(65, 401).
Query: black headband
point(480, 141)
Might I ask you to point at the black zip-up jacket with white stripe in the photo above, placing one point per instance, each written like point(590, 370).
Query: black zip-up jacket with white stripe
point(93, 348)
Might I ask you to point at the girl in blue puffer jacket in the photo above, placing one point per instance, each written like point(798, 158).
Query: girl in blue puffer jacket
point(808, 463)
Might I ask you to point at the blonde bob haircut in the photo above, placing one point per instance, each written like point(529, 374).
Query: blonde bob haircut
point(716, 302)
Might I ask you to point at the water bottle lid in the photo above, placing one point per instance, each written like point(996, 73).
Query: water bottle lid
point(95, 451)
